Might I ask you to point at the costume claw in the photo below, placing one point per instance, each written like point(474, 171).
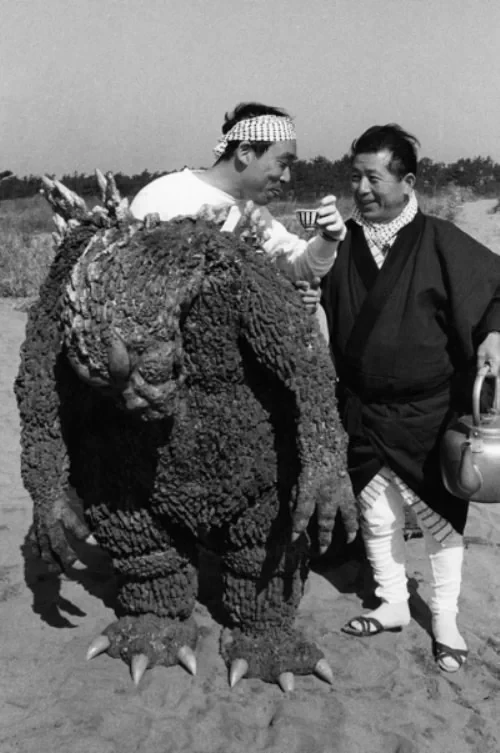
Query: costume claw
point(138, 666)
point(286, 682)
point(91, 540)
point(187, 658)
point(324, 671)
point(98, 646)
point(239, 668)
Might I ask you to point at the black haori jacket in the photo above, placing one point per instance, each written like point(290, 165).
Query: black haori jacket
point(404, 339)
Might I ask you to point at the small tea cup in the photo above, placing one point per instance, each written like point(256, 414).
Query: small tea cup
point(307, 217)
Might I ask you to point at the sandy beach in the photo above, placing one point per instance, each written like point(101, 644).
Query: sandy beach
point(388, 695)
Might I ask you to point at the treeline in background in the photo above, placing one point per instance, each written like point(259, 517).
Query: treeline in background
point(26, 223)
point(311, 179)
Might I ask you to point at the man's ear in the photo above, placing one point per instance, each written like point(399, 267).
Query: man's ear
point(244, 152)
point(409, 181)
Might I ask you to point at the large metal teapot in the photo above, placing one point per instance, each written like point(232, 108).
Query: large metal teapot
point(470, 449)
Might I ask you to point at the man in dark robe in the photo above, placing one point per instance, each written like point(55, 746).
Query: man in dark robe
point(413, 309)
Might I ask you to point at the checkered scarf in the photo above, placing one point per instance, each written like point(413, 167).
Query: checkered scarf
point(261, 128)
point(382, 234)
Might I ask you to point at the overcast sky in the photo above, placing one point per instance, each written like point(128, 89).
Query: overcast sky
point(126, 86)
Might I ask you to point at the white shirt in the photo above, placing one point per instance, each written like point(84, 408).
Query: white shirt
point(183, 194)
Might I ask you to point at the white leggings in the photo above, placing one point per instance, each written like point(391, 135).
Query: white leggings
point(382, 526)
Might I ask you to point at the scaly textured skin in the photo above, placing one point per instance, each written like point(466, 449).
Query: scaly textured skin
point(44, 456)
point(172, 377)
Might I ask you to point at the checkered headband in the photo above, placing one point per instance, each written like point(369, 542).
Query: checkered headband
point(261, 128)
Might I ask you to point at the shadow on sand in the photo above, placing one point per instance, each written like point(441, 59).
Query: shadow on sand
point(92, 571)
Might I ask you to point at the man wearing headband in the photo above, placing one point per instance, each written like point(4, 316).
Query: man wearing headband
point(253, 161)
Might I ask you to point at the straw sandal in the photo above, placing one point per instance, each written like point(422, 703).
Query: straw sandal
point(369, 626)
point(442, 651)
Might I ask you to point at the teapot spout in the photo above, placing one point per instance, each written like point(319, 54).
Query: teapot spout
point(468, 475)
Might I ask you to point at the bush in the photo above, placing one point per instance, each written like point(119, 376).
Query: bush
point(26, 246)
point(24, 262)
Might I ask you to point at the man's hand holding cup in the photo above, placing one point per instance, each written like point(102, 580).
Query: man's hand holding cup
point(326, 218)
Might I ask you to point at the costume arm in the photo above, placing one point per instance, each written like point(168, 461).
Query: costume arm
point(45, 465)
point(291, 348)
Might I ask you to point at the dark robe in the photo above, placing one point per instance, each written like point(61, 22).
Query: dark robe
point(404, 340)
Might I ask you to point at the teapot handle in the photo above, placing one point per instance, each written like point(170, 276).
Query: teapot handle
point(482, 373)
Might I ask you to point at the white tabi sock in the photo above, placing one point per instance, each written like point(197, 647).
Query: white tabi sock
point(446, 567)
point(382, 528)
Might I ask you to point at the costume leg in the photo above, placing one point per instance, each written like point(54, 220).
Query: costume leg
point(162, 581)
point(382, 526)
point(446, 566)
point(114, 475)
point(157, 586)
point(263, 581)
point(154, 562)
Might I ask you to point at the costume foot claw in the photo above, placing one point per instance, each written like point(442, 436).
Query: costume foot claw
point(239, 668)
point(98, 646)
point(286, 682)
point(273, 655)
point(138, 666)
point(147, 640)
point(187, 658)
point(324, 671)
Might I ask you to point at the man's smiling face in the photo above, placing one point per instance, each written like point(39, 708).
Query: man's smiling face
point(379, 193)
point(265, 175)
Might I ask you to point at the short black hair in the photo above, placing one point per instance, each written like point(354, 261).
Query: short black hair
point(401, 144)
point(242, 111)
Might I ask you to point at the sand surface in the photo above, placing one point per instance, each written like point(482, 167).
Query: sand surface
point(388, 695)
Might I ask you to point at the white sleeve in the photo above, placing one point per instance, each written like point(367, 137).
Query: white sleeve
point(300, 259)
